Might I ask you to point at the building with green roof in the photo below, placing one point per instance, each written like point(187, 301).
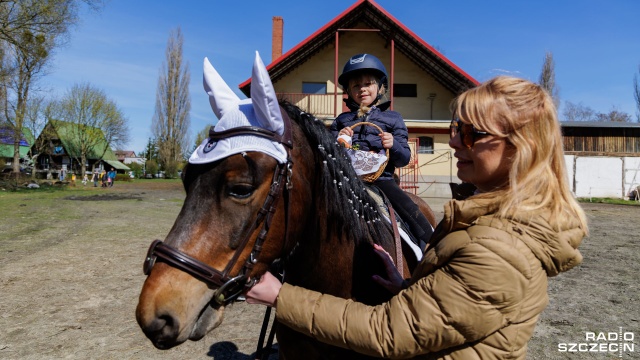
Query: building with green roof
point(7, 144)
point(64, 145)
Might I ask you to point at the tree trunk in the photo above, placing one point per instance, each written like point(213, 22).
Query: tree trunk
point(83, 165)
point(16, 157)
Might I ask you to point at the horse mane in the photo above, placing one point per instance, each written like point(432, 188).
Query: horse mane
point(352, 212)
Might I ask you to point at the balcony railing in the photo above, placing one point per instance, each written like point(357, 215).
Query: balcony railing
point(320, 105)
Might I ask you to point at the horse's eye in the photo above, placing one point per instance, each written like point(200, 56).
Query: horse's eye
point(241, 191)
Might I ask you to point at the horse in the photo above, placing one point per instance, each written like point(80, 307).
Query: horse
point(244, 212)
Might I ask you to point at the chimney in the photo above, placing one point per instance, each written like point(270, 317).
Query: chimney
point(276, 37)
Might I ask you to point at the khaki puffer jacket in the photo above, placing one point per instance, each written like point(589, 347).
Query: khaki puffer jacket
point(477, 294)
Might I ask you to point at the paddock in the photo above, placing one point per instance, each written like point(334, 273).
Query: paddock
point(71, 272)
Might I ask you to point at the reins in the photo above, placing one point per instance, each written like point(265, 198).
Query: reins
point(230, 287)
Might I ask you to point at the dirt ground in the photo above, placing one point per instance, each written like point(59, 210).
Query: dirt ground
point(71, 272)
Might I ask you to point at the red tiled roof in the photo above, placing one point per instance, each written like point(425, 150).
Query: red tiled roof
point(406, 42)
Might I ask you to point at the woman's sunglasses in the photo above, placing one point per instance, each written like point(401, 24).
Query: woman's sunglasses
point(468, 133)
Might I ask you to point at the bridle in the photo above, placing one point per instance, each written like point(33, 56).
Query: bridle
point(229, 287)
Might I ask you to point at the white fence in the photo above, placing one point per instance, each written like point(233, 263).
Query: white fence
point(603, 176)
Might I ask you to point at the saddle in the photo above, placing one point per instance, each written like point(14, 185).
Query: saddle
point(379, 199)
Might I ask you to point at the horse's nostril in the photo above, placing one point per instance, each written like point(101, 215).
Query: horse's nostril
point(167, 322)
point(163, 331)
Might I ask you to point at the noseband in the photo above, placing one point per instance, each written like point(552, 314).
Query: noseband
point(228, 287)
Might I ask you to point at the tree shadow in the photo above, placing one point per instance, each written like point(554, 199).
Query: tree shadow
point(226, 350)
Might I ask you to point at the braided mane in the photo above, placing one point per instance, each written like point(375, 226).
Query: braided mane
point(350, 208)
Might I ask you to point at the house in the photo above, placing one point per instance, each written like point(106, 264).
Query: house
point(423, 82)
point(128, 157)
point(7, 145)
point(60, 146)
point(603, 159)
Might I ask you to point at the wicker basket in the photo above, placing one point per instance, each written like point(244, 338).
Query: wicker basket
point(371, 177)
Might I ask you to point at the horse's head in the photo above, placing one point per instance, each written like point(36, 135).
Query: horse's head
point(239, 215)
point(221, 239)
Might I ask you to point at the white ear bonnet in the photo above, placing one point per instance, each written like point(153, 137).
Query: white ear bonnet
point(261, 110)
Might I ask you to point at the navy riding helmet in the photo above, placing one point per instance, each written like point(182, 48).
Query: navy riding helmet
point(359, 63)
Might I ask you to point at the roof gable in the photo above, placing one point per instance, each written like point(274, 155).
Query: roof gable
point(368, 12)
point(70, 137)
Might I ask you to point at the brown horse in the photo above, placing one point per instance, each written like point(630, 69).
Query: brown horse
point(247, 211)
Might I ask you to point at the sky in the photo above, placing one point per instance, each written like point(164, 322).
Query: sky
point(121, 49)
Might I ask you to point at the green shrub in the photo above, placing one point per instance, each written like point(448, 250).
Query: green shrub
point(137, 169)
point(151, 167)
point(171, 169)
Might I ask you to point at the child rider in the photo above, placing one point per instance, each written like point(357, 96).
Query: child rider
point(364, 79)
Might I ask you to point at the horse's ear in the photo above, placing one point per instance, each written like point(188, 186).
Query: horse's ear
point(221, 97)
point(264, 99)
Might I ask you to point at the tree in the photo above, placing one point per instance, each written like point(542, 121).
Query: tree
point(137, 169)
point(150, 151)
point(203, 134)
point(578, 112)
point(636, 93)
point(38, 114)
point(29, 32)
point(151, 167)
point(20, 68)
point(614, 115)
point(98, 122)
point(548, 78)
point(170, 123)
point(51, 17)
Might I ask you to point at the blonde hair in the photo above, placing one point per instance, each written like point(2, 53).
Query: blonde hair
point(524, 115)
point(364, 76)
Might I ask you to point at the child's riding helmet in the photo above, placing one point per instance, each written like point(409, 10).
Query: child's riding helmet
point(360, 62)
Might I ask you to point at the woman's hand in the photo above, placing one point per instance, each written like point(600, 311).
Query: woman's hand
point(265, 292)
point(394, 282)
point(346, 131)
point(387, 140)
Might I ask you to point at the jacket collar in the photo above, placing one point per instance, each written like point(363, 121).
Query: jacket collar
point(555, 246)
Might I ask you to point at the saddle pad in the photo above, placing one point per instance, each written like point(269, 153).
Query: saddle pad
point(384, 211)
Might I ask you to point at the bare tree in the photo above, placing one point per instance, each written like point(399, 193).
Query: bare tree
point(578, 112)
point(636, 93)
point(20, 68)
point(548, 78)
point(93, 121)
point(170, 123)
point(37, 114)
point(29, 31)
point(50, 17)
point(614, 115)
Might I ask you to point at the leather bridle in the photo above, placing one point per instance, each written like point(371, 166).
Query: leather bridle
point(229, 287)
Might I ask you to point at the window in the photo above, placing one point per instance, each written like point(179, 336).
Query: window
point(425, 145)
point(314, 88)
point(405, 90)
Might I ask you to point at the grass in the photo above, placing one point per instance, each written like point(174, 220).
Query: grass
point(49, 215)
point(613, 201)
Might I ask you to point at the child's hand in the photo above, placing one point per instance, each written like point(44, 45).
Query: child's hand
point(346, 131)
point(387, 140)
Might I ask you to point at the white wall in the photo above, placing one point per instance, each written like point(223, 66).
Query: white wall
point(603, 176)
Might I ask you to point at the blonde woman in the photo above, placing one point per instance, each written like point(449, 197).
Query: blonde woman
point(482, 284)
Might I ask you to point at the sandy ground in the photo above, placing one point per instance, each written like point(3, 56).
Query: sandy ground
point(71, 272)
